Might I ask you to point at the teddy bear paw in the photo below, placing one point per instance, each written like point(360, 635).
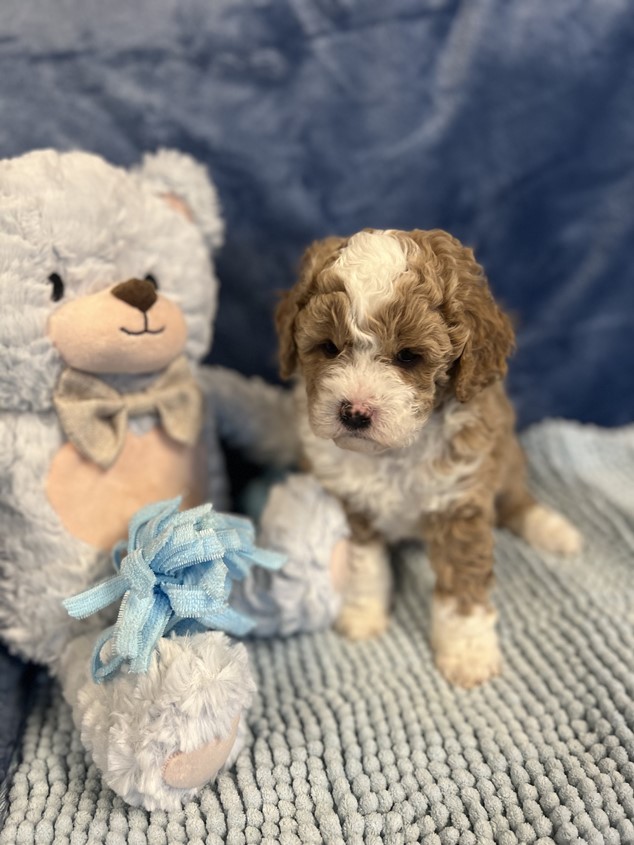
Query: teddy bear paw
point(193, 769)
point(159, 737)
point(309, 527)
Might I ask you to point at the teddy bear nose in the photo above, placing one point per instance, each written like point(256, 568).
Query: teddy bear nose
point(139, 293)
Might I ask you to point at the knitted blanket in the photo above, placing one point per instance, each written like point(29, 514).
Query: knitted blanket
point(365, 743)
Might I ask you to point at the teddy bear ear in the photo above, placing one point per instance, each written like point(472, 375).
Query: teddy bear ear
point(185, 184)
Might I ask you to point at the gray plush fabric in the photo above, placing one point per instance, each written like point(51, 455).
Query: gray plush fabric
point(303, 522)
point(365, 743)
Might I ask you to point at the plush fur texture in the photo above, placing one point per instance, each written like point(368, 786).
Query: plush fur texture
point(95, 226)
point(109, 272)
point(304, 522)
point(170, 173)
point(269, 436)
point(193, 691)
point(399, 351)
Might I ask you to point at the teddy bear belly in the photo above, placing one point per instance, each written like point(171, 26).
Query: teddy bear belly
point(95, 505)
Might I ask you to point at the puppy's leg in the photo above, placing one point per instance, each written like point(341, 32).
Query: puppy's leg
point(368, 590)
point(463, 636)
point(541, 527)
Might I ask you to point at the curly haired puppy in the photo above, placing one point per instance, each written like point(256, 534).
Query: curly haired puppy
point(399, 351)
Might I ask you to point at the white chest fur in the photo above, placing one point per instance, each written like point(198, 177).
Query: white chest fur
point(396, 488)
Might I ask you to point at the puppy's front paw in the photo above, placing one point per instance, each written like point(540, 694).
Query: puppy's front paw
point(549, 531)
point(466, 649)
point(469, 670)
point(361, 621)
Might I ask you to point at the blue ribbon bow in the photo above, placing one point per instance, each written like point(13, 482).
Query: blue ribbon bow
point(175, 575)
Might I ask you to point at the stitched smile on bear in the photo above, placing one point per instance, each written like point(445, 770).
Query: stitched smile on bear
point(127, 328)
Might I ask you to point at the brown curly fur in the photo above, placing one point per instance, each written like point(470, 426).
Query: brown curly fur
point(446, 307)
point(443, 309)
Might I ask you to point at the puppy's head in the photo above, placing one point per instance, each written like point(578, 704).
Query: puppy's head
point(381, 326)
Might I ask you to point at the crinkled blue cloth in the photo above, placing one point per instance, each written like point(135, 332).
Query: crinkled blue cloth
point(175, 575)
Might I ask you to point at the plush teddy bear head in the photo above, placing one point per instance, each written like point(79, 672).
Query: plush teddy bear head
point(102, 270)
point(107, 297)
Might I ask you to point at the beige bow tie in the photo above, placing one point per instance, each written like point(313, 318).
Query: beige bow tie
point(94, 416)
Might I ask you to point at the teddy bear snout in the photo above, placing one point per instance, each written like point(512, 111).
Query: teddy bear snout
point(139, 293)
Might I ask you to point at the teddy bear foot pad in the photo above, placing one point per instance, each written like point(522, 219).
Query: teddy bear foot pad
point(160, 736)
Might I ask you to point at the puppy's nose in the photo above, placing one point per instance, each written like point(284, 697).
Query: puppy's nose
point(354, 417)
point(139, 293)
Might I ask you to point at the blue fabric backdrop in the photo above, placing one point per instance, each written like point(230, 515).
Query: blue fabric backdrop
point(509, 123)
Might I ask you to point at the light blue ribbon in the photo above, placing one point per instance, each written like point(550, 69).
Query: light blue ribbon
point(174, 575)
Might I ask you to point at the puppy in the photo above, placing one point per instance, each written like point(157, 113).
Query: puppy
point(398, 350)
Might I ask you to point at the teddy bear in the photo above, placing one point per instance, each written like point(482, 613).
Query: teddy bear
point(107, 301)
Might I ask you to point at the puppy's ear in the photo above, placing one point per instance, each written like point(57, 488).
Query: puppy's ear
point(313, 261)
point(482, 335)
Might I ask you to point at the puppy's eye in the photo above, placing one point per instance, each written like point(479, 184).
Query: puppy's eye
point(407, 358)
point(152, 280)
point(58, 287)
point(329, 349)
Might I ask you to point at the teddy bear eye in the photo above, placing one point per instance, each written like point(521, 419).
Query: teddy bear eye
point(58, 286)
point(152, 279)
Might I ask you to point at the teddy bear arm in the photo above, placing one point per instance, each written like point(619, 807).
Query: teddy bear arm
point(33, 622)
point(7, 455)
point(8, 521)
point(40, 564)
point(253, 416)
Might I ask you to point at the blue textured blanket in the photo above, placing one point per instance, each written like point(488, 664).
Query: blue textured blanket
point(365, 743)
